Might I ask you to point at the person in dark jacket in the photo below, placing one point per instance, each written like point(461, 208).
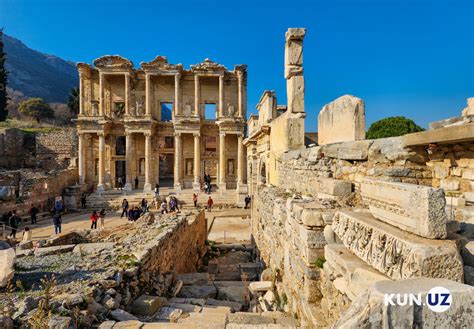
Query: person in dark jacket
point(124, 208)
point(33, 212)
point(57, 220)
point(14, 221)
point(136, 183)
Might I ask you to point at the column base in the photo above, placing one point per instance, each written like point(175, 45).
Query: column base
point(100, 188)
point(222, 186)
point(242, 189)
point(128, 187)
point(196, 186)
point(177, 186)
point(147, 187)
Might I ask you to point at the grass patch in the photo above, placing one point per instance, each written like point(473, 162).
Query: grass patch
point(320, 262)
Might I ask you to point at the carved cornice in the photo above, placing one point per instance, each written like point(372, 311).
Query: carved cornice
point(113, 62)
point(161, 63)
point(208, 66)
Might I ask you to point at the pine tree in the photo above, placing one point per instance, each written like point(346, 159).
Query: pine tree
point(3, 81)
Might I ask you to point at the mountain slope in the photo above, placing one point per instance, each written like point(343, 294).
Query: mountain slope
point(38, 75)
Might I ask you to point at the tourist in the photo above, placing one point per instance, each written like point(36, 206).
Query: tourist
point(157, 191)
point(247, 201)
point(144, 205)
point(153, 204)
point(136, 213)
point(120, 183)
point(136, 183)
point(210, 202)
point(164, 208)
point(94, 217)
point(124, 208)
point(83, 201)
point(33, 212)
point(57, 220)
point(172, 204)
point(195, 200)
point(14, 221)
point(6, 217)
point(102, 218)
point(26, 235)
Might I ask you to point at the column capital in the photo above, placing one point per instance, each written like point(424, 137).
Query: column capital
point(101, 134)
point(147, 134)
point(222, 133)
point(197, 134)
point(177, 76)
point(177, 134)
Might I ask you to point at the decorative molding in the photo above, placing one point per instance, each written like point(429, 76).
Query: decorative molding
point(161, 63)
point(208, 66)
point(113, 62)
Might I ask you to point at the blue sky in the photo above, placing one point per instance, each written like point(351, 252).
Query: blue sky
point(412, 58)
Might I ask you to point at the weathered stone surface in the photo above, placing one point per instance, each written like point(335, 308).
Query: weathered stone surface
point(90, 248)
point(7, 260)
point(187, 308)
point(469, 110)
point(396, 253)
point(342, 120)
point(356, 150)
point(467, 253)
point(148, 305)
point(469, 275)
point(59, 322)
point(40, 252)
point(260, 286)
point(204, 291)
point(233, 305)
point(236, 293)
point(249, 318)
point(121, 315)
point(130, 324)
point(413, 208)
point(370, 309)
point(194, 278)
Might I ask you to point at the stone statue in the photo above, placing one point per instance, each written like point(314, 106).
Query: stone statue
point(230, 168)
point(189, 167)
point(95, 109)
point(187, 110)
point(230, 110)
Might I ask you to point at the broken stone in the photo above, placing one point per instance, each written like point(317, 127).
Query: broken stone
point(205, 291)
point(130, 324)
point(91, 248)
point(194, 278)
point(148, 305)
point(41, 252)
point(235, 307)
point(249, 319)
point(467, 253)
point(260, 286)
point(7, 260)
point(121, 315)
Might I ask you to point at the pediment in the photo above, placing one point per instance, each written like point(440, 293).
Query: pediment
point(113, 62)
point(208, 66)
point(161, 63)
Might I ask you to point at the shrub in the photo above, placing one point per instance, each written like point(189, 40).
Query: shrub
point(36, 108)
point(391, 127)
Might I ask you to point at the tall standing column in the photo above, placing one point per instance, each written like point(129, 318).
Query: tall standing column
point(197, 162)
point(240, 160)
point(147, 186)
point(222, 183)
point(221, 96)
point(147, 94)
point(177, 93)
point(127, 93)
point(197, 98)
point(81, 159)
point(81, 94)
point(240, 94)
point(101, 94)
point(178, 159)
point(128, 163)
point(100, 183)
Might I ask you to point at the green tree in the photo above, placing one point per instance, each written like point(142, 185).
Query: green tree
point(391, 127)
point(35, 108)
point(3, 81)
point(73, 101)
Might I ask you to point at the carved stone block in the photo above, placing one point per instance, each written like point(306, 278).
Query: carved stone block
point(413, 208)
point(396, 253)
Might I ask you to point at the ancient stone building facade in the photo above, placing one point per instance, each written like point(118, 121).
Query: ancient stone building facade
point(162, 124)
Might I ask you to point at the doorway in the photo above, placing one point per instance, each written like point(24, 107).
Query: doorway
point(166, 170)
point(119, 171)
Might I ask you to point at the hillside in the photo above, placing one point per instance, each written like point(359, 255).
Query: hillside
point(38, 75)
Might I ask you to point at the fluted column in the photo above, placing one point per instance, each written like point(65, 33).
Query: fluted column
point(81, 159)
point(101, 94)
point(240, 93)
point(147, 94)
point(100, 183)
point(81, 94)
point(177, 93)
point(128, 163)
point(222, 183)
point(148, 185)
point(221, 96)
point(127, 93)
point(197, 98)
point(178, 159)
point(197, 162)
point(240, 160)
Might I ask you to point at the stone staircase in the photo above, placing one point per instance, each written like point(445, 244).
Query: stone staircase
point(112, 199)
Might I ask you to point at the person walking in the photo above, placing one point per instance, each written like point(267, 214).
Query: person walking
point(94, 217)
point(33, 212)
point(247, 201)
point(14, 221)
point(136, 182)
point(210, 202)
point(157, 191)
point(57, 220)
point(164, 208)
point(120, 183)
point(83, 201)
point(102, 218)
point(144, 205)
point(124, 208)
point(195, 200)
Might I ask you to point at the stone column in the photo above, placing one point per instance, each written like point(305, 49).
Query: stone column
point(294, 69)
point(197, 98)
point(127, 93)
point(221, 96)
point(148, 186)
point(128, 163)
point(240, 95)
point(100, 183)
point(81, 159)
point(177, 93)
point(178, 159)
point(197, 162)
point(222, 184)
point(240, 160)
point(101, 94)
point(81, 94)
point(147, 94)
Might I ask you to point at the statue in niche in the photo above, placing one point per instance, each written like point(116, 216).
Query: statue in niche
point(187, 110)
point(142, 166)
point(230, 167)
point(230, 110)
point(95, 109)
point(139, 107)
point(189, 167)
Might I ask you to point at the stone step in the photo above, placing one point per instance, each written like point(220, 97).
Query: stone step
point(205, 320)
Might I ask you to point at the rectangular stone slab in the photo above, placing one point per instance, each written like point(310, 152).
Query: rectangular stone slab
point(396, 253)
point(413, 208)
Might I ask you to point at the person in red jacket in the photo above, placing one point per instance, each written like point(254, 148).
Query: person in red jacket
point(94, 217)
point(210, 202)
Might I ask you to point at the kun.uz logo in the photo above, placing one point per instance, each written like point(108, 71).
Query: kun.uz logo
point(438, 299)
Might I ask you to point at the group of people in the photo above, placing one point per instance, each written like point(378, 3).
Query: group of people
point(170, 206)
point(120, 183)
point(97, 217)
